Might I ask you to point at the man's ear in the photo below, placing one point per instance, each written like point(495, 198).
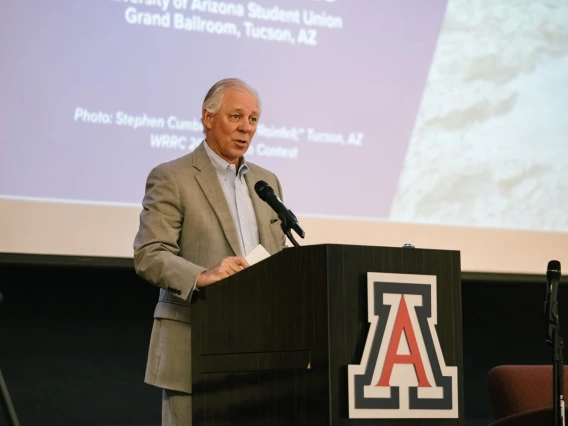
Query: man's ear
point(207, 119)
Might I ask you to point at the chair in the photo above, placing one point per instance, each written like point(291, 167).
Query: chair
point(521, 395)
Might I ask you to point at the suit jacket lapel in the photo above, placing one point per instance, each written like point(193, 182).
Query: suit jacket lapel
point(209, 181)
point(261, 210)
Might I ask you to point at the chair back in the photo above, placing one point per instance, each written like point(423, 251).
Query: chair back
point(515, 389)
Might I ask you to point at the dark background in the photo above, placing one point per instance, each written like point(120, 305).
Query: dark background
point(74, 335)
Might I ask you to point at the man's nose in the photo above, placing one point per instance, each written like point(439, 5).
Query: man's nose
point(246, 126)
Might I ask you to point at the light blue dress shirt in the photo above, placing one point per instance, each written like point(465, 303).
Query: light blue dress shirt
point(238, 197)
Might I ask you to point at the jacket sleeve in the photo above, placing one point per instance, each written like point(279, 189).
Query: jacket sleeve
point(156, 248)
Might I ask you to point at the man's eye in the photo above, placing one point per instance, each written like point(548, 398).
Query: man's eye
point(254, 119)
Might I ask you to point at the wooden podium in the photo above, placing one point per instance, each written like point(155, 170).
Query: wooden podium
point(272, 344)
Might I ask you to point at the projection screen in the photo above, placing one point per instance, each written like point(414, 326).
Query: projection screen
point(442, 124)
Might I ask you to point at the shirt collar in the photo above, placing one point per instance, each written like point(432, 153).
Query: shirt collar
point(221, 165)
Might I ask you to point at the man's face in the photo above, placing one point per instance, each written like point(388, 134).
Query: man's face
point(230, 131)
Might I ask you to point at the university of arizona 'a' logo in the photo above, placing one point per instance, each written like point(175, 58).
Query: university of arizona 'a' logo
point(402, 372)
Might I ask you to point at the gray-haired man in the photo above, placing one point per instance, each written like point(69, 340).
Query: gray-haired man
point(200, 218)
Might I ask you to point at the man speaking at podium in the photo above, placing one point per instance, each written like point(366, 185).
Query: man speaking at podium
point(200, 218)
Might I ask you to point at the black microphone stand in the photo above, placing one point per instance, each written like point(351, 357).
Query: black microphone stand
point(554, 339)
point(290, 236)
point(7, 406)
point(286, 229)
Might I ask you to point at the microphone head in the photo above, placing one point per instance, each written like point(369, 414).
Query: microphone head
point(263, 189)
point(553, 266)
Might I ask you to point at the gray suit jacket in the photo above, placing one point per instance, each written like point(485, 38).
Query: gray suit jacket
point(186, 227)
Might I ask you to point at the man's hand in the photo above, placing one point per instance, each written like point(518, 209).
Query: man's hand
point(227, 267)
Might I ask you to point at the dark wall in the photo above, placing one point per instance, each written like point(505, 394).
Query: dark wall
point(502, 324)
point(73, 345)
point(74, 339)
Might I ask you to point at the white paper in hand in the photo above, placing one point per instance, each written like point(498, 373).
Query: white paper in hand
point(259, 253)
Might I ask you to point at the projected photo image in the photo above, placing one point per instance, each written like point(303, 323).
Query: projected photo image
point(490, 143)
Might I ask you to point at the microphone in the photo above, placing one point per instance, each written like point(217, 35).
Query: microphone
point(551, 301)
point(288, 219)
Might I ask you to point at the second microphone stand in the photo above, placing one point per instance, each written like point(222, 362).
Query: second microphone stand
point(555, 341)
